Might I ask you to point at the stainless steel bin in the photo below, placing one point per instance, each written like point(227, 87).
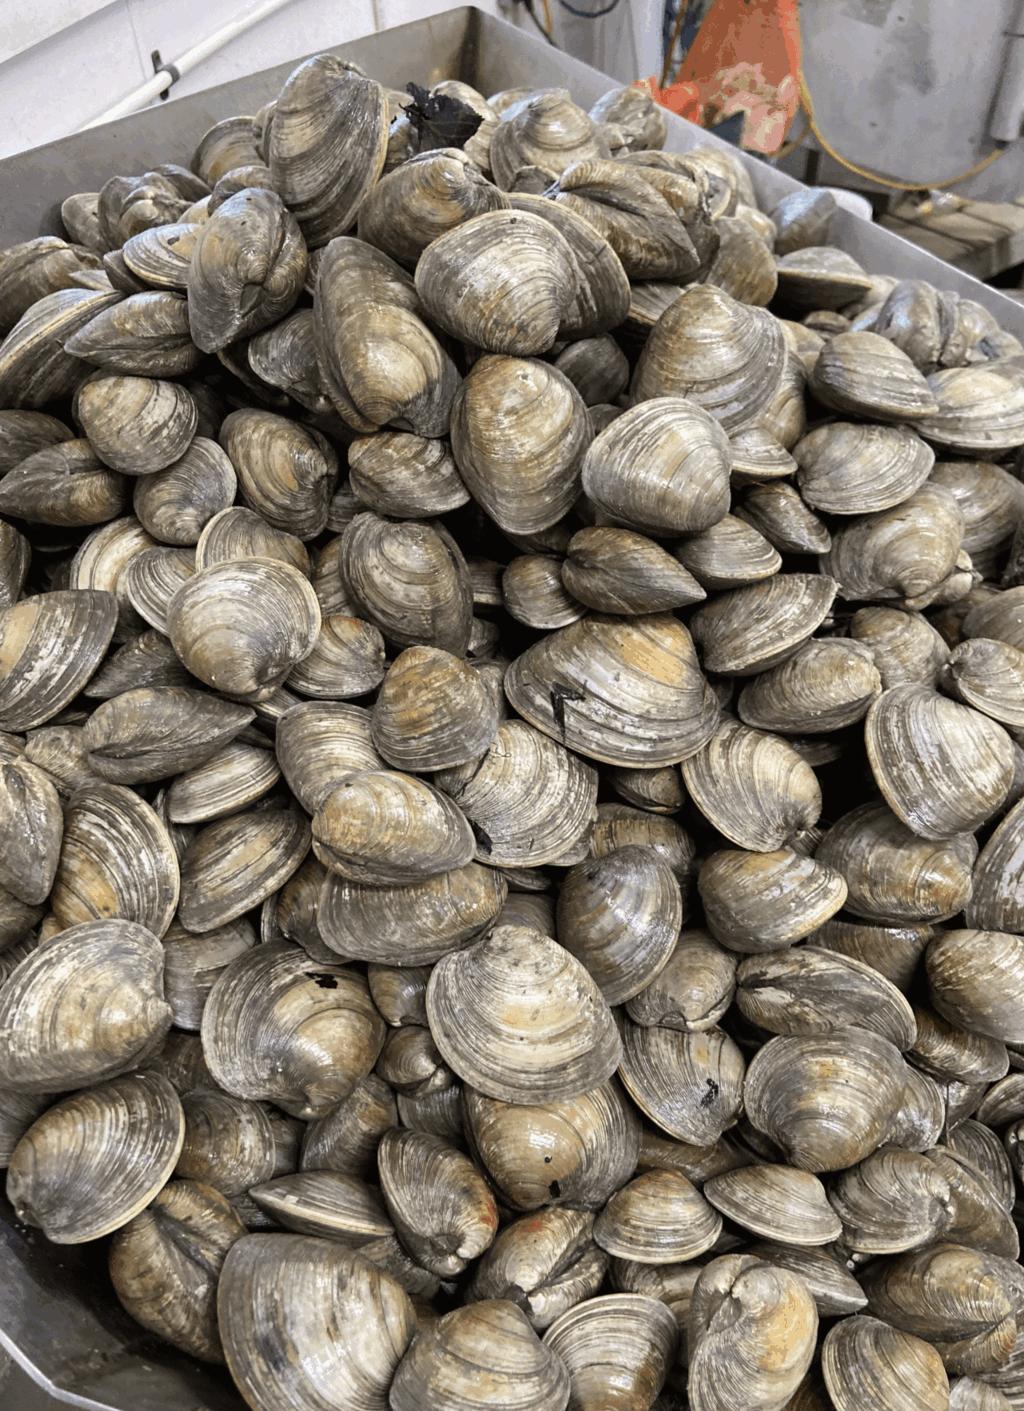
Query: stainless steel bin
point(70, 1340)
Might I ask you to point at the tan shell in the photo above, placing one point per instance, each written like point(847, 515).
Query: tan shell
point(689, 1084)
point(232, 647)
point(728, 555)
point(286, 472)
point(894, 876)
point(410, 925)
point(279, 1028)
point(865, 1361)
point(31, 828)
point(753, 787)
point(863, 374)
point(432, 712)
point(408, 477)
point(761, 901)
point(624, 691)
point(980, 409)
point(860, 468)
point(619, 571)
point(777, 1202)
point(904, 552)
point(383, 828)
point(327, 144)
point(662, 468)
point(528, 799)
point(751, 629)
point(944, 768)
point(87, 1006)
point(657, 1218)
point(117, 860)
point(727, 357)
point(351, 1322)
point(235, 863)
point(34, 368)
point(164, 1265)
point(826, 1101)
point(176, 503)
point(519, 433)
point(544, 1262)
point(319, 744)
point(891, 1201)
point(520, 1019)
point(693, 989)
point(96, 1159)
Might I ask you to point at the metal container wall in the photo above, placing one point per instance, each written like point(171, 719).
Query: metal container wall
point(59, 1318)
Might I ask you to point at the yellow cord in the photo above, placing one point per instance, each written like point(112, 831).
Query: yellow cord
point(548, 23)
point(805, 99)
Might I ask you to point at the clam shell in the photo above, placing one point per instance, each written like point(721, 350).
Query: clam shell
point(619, 571)
point(891, 1201)
point(137, 425)
point(235, 863)
point(440, 1203)
point(152, 732)
point(662, 468)
point(753, 628)
point(65, 484)
point(192, 963)
point(96, 1159)
point(974, 980)
point(176, 503)
point(404, 476)
point(31, 828)
point(658, 1218)
point(728, 555)
point(410, 925)
point(324, 1203)
point(239, 533)
point(944, 768)
point(980, 409)
point(476, 1355)
point(349, 1323)
point(279, 1028)
point(116, 860)
point(222, 640)
point(519, 433)
point(867, 1362)
point(35, 683)
point(286, 472)
point(229, 1142)
point(146, 335)
point(319, 744)
point(87, 1006)
point(821, 277)
point(863, 374)
point(618, 1346)
point(164, 1265)
point(34, 368)
point(753, 787)
point(693, 989)
point(826, 1101)
point(903, 552)
point(231, 779)
point(761, 901)
point(327, 144)
point(620, 691)
point(432, 712)
point(346, 1139)
point(383, 828)
point(777, 1202)
point(546, 130)
point(857, 468)
point(727, 357)
point(546, 1263)
point(905, 646)
point(825, 685)
point(689, 1084)
point(519, 1018)
point(160, 256)
point(528, 799)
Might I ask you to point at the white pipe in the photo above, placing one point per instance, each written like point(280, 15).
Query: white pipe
point(163, 78)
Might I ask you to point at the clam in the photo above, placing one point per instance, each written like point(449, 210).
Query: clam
point(826, 1101)
point(405, 476)
point(779, 1203)
point(545, 1263)
point(86, 1007)
point(821, 277)
point(116, 861)
point(137, 425)
point(286, 472)
point(424, 198)
point(344, 1324)
point(31, 828)
point(319, 744)
point(689, 1084)
point(519, 433)
point(152, 732)
point(327, 144)
point(382, 828)
point(242, 626)
point(475, 1356)
point(727, 357)
point(908, 552)
point(827, 683)
point(176, 503)
point(409, 579)
point(662, 468)
point(802, 218)
point(618, 1349)
point(753, 628)
point(692, 990)
point(944, 768)
point(729, 554)
point(974, 981)
point(164, 1265)
point(620, 571)
point(751, 1331)
point(346, 1139)
point(95, 1160)
point(440, 1203)
point(65, 484)
point(229, 1142)
point(278, 1027)
point(325, 1203)
point(753, 787)
point(31, 270)
point(623, 691)
point(891, 1201)
point(866, 1362)
point(762, 901)
point(657, 1218)
point(528, 799)
point(34, 368)
point(235, 863)
point(979, 411)
point(192, 963)
point(379, 362)
point(573, 1151)
point(519, 1018)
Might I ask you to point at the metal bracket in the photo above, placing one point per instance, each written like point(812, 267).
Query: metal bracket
point(160, 67)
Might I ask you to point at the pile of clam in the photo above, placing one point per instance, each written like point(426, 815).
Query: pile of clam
point(511, 810)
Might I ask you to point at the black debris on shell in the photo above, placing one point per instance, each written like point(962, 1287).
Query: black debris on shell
point(438, 120)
